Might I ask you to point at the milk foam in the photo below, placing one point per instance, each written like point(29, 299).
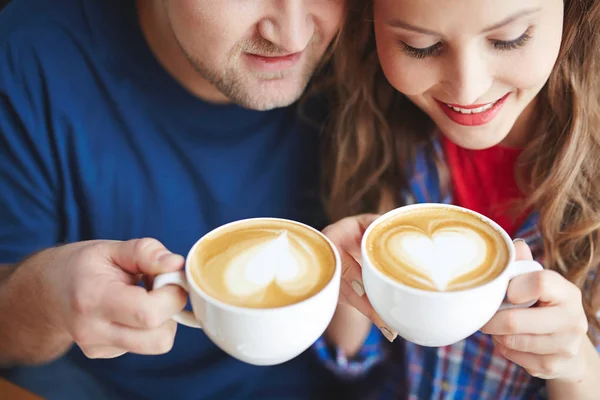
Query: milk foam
point(443, 256)
point(275, 261)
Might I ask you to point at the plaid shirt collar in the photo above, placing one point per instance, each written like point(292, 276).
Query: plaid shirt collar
point(425, 187)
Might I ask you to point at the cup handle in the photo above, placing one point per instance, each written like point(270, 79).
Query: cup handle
point(517, 268)
point(178, 278)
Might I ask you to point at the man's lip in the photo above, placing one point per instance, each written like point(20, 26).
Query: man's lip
point(273, 64)
point(275, 58)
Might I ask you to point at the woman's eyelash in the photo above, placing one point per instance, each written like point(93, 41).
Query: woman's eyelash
point(512, 44)
point(436, 48)
point(421, 53)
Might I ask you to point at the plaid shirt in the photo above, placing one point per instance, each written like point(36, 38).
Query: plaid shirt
point(470, 369)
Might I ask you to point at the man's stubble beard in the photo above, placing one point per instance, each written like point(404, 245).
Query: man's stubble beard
point(244, 87)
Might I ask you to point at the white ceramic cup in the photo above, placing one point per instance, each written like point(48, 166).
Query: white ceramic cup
point(431, 318)
point(265, 336)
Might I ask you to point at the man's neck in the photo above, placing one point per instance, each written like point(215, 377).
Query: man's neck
point(161, 39)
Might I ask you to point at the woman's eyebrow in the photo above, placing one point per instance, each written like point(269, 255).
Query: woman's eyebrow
point(396, 23)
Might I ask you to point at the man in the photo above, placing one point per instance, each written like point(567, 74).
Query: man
point(122, 120)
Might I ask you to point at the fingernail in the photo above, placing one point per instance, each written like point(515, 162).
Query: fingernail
point(389, 335)
point(388, 332)
point(358, 288)
point(519, 240)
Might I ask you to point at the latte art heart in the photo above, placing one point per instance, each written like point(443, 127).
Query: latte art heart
point(438, 248)
point(263, 263)
point(444, 256)
point(272, 262)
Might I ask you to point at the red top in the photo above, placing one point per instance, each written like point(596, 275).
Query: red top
point(484, 181)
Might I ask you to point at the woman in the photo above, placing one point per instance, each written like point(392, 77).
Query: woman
point(494, 106)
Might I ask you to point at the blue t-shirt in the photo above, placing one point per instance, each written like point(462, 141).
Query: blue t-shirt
point(97, 141)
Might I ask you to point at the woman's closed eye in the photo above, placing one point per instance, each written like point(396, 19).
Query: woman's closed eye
point(503, 45)
point(513, 44)
point(420, 53)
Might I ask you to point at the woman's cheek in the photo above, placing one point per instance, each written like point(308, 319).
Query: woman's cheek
point(407, 75)
point(530, 70)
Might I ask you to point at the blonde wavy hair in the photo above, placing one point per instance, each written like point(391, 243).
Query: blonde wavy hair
point(372, 139)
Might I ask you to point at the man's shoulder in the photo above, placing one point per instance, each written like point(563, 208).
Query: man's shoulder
point(22, 19)
point(47, 26)
point(58, 45)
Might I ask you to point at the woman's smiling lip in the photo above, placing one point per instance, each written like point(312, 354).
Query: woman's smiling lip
point(473, 115)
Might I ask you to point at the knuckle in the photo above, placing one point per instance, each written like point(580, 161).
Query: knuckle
point(84, 258)
point(122, 341)
point(81, 334)
point(165, 340)
point(512, 322)
point(146, 319)
point(84, 302)
point(543, 281)
point(549, 366)
point(327, 230)
point(523, 344)
point(510, 341)
point(538, 374)
point(576, 293)
point(92, 352)
point(91, 250)
point(572, 350)
point(94, 247)
point(146, 244)
point(580, 326)
point(346, 270)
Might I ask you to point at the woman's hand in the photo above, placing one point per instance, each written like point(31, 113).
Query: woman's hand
point(346, 235)
point(545, 340)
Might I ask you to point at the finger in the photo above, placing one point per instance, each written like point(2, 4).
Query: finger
point(522, 250)
point(547, 286)
point(535, 344)
point(518, 321)
point(352, 272)
point(365, 220)
point(347, 233)
point(143, 341)
point(363, 305)
point(539, 366)
point(102, 352)
point(144, 256)
point(135, 307)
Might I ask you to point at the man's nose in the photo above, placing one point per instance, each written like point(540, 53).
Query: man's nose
point(290, 28)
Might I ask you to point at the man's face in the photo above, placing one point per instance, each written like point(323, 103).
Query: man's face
point(259, 54)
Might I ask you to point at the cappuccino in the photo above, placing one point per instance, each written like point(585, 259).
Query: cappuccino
point(263, 264)
point(438, 249)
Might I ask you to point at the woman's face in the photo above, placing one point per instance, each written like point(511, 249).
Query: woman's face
point(474, 66)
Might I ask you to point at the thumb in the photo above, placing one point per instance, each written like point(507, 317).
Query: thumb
point(144, 256)
point(522, 251)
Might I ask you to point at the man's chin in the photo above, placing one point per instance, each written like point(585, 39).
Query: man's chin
point(268, 97)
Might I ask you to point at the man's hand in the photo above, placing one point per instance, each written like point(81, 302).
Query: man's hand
point(87, 292)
